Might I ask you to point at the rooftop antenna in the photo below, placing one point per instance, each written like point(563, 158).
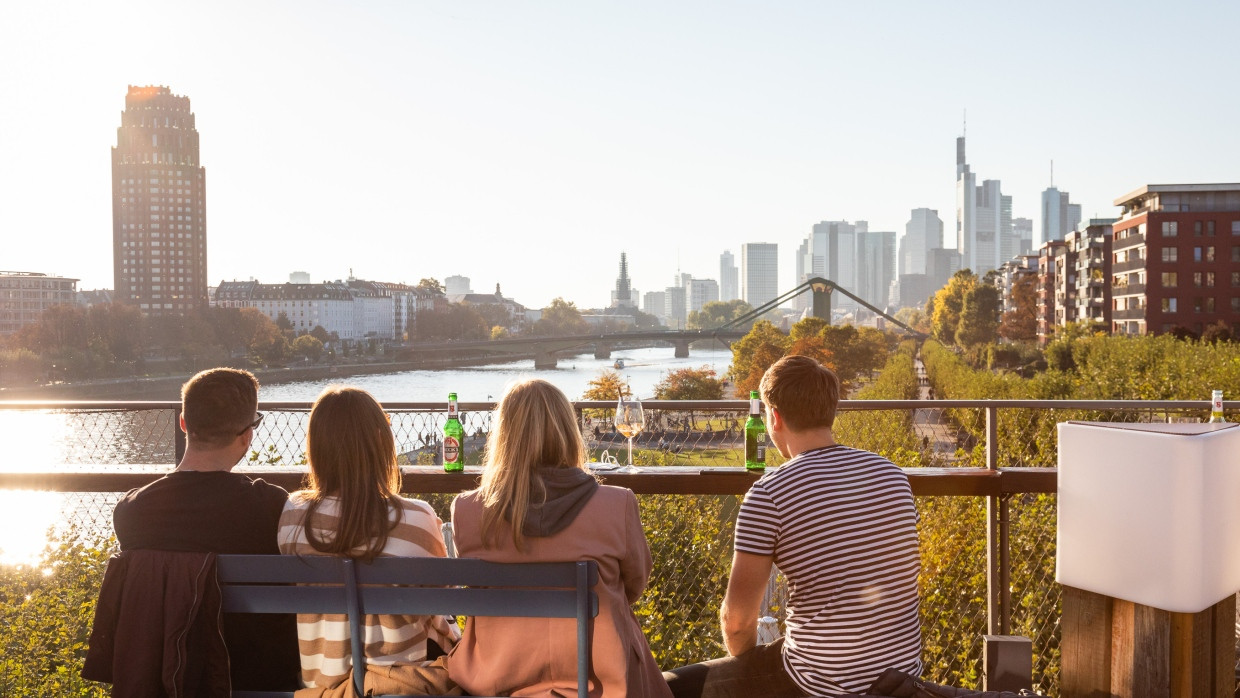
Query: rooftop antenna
point(1052, 173)
point(965, 129)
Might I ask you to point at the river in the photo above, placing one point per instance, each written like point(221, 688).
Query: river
point(41, 440)
point(643, 369)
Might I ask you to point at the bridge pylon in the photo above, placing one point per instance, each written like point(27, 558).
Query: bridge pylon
point(822, 299)
point(543, 359)
point(602, 350)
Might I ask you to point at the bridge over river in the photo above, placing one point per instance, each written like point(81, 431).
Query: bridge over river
point(545, 349)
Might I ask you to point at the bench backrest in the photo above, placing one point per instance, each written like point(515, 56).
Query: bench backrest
point(421, 586)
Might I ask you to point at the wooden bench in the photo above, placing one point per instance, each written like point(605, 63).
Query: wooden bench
point(421, 586)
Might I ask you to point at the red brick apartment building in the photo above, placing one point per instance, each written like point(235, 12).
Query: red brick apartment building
point(1176, 258)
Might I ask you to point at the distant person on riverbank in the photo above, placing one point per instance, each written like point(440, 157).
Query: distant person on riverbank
point(841, 526)
point(201, 507)
point(353, 508)
point(538, 503)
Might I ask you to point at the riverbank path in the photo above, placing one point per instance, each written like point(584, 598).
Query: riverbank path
point(933, 429)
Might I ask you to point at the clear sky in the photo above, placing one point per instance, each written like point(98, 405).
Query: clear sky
point(529, 143)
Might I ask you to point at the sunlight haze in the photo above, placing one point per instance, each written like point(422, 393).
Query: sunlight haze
point(529, 143)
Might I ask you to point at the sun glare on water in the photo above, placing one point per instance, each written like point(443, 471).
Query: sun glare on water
point(25, 519)
point(33, 441)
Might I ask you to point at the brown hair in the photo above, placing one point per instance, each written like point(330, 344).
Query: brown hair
point(805, 392)
point(534, 427)
point(352, 457)
point(218, 404)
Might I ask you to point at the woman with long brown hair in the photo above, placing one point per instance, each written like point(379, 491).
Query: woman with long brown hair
point(537, 503)
point(352, 507)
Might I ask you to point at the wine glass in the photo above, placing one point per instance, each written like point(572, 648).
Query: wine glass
point(629, 421)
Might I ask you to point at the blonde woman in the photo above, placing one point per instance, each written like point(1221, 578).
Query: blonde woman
point(537, 503)
point(352, 508)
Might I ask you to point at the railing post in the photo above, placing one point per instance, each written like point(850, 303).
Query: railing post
point(178, 436)
point(998, 576)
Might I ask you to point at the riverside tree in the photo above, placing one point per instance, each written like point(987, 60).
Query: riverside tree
point(689, 384)
point(559, 319)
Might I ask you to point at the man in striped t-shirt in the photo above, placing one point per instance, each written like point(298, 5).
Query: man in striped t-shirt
point(841, 526)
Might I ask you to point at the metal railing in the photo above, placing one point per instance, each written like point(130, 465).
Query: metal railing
point(982, 472)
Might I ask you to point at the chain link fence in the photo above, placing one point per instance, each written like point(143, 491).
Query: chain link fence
point(690, 535)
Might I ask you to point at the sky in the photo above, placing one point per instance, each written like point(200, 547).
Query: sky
point(530, 143)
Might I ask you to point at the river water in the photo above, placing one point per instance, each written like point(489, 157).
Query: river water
point(82, 440)
point(643, 369)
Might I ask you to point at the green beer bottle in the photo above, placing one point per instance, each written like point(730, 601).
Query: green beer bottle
point(755, 435)
point(1216, 406)
point(453, 439)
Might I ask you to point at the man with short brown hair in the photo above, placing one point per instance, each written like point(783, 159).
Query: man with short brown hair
point(203, 506)
point(841, 526)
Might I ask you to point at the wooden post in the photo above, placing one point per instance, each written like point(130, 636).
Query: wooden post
point(1116, 648)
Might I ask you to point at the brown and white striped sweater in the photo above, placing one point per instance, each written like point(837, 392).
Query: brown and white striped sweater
point(323, 640)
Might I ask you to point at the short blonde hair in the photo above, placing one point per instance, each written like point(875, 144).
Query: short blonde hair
point(535, 427)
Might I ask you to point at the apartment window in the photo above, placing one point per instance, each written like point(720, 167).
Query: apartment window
point(1235, 227)
point(1235, 253)
point(1170, 228)
point(1197, 279)
point(1171, 254)
point(1235, 305)
point(1168, 279)
point(1209, 229)
point(1196, 254)
point(1168, 305)
point(1210, 253)
point(1209, 304)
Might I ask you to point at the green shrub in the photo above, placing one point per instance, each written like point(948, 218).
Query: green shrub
point(47, 610)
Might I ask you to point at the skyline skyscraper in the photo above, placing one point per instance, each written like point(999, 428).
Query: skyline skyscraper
point(1022, 230)
point(759, 272)
point(1059, 215)
point(966, 206)
point(984, 236)
point(729, 277)
point(922, 233)
point(876, 266)
point(159, 217)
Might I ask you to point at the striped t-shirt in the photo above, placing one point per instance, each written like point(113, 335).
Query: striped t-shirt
point(323, 640)
point(842, 528)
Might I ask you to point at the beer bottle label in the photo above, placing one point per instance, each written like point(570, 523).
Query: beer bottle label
point(451, 449)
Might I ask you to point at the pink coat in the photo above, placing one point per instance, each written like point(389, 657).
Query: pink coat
point(537, 656)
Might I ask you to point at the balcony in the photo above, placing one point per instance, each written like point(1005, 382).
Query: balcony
point(1128, 314)
point(1130, 265)
point(1130, 241)
point(980, 471)
point(1128, 290)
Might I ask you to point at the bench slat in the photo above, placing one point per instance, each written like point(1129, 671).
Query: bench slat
point(243, 598)
point(516, 603)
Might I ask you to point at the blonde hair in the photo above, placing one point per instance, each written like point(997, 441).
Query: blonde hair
point(352, 457)
point(535, 427)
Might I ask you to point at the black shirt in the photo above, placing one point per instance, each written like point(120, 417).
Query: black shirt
point(224, 513)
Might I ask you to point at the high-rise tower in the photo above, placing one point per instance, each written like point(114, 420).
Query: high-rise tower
point(729, 278)
point(759, 272)
point(159, 213)
point(622, 296)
